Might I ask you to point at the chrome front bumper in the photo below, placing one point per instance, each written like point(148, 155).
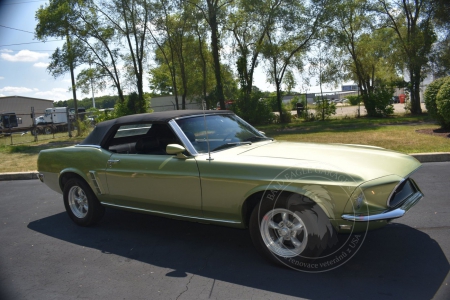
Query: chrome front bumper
point(387, 214)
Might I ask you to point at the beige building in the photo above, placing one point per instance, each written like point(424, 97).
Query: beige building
point(21, 106)
point(163, 103)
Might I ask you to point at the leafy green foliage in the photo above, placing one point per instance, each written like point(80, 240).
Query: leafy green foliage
point(443, 103)
point(254, 110)
point(378, 102)
point(132, 105)
point(324, 109)
point(354, 100)
point(100, 102)
point(430, 99)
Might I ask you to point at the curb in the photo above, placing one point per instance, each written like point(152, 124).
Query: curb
point(421, 157)
point(432, 157)
point(18, 176)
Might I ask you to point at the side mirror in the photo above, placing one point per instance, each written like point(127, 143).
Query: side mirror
point(176, 149)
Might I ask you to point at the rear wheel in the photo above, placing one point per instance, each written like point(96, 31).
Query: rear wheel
point(81, 203)
point(48, 130)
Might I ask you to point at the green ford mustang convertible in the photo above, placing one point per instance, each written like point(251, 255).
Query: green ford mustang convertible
point(297, 199)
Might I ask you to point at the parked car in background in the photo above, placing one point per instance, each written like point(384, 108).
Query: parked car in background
point(213, 167)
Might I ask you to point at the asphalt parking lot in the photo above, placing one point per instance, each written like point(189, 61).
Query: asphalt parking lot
point(43, 255)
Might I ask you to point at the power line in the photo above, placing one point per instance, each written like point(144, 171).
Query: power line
point(16, 29)
point(28, 43)
point(23, 2)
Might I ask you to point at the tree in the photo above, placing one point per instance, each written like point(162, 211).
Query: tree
point(321, 66)
point(368, 51)
point(129, 19)
point(174, 26)
point(249, 24)
point(412, 22)
point(54, 20)
point(91, 80)
point(213, 12)
point(289, 36)
point(198, 72)
point(99, 38)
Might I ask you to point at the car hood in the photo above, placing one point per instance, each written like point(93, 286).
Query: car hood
point(365, 162)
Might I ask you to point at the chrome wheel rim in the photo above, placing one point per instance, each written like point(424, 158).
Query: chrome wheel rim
point(284, 232)
point(78, 202)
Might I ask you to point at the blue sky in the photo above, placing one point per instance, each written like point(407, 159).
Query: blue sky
point(23, 59)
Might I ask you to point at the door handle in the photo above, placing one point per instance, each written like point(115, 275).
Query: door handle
point(112, 161)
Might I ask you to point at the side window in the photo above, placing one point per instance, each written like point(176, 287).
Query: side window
point(142, 139)
point(126, 137)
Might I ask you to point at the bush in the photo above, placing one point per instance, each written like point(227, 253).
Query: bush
point(324, 109)
point(255, 109)
point(354, 100)
point(378, 103)
point(430, 99)
point(443, 103)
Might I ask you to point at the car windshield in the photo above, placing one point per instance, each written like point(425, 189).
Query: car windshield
point(222, 131)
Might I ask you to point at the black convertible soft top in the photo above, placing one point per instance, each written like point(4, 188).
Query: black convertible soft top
point(97, 136)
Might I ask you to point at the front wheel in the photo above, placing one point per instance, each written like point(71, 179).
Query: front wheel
point(291, 230)
point(81, 203)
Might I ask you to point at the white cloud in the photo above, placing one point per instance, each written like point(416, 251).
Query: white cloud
point(24, 56)
point(1, 95)
point(1, 77)
point(6, 51)
point(40, 65)
point(54, 94)
point(15, 90)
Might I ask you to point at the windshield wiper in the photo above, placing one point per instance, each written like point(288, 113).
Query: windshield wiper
point(223, 146)
point(258, 138)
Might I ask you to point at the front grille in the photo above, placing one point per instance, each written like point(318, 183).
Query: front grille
point(402, 192)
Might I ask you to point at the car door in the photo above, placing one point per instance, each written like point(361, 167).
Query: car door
point(146, 178)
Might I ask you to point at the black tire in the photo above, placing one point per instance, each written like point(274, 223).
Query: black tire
point(81, 203)
point(300, 231)
point(48, 130)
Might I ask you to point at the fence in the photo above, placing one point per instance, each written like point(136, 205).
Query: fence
point(21, 128)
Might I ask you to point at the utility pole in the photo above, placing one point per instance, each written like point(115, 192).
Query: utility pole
point(92, 85)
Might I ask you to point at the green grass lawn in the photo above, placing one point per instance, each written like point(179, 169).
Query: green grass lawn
point(396, 133)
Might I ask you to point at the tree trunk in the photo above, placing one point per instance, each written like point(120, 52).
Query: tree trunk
point(72, 77)
point(416, 109)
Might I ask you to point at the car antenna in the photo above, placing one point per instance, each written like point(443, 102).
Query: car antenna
point(206, 131)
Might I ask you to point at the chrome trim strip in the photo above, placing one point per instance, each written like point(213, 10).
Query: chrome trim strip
point(179, 132)
point(388, 214)
point(95, 182)
point(41, 177)
point(89, 146)
point(206, 113)
point(169, 214)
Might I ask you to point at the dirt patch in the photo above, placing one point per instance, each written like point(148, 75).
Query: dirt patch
point(445, 133)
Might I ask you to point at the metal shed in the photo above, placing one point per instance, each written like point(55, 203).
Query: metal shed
point(21, 106)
